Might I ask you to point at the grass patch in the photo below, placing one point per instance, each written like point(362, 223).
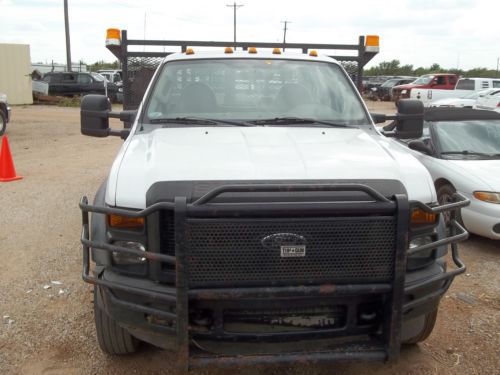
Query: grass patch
point(69, 102)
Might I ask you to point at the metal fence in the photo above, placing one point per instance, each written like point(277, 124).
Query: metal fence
point(138, 67)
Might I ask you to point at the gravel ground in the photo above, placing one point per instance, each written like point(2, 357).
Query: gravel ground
point(46, 311)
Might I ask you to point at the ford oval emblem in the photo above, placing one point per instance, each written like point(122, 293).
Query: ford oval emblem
point(278, 240)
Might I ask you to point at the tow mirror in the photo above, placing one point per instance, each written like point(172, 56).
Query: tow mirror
point(420, 146)
point(95, 112)
point(378, 118)
point(409, 119)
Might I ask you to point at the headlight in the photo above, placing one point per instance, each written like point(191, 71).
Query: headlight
point(121, 258)
point(403, 91)
point(487, 196)
point(120, 89)
point(422, 258)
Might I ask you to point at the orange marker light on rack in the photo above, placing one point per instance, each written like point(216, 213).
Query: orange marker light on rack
point(113, 37)
point(372, 43)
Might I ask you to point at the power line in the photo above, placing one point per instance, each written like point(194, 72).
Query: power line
point(284, 32)
point(234, 6)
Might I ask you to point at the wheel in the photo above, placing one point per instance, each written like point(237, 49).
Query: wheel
point(426, 330)
point(112, 338)
point(3, 122)
point(445, 195)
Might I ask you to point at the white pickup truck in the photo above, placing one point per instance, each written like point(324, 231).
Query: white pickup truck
point(464, 86)
point(255, 214)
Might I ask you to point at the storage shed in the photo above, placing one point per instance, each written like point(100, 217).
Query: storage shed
point(15, 70)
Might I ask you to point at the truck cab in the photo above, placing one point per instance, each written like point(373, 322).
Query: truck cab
point(255, 214)
point(437, 81)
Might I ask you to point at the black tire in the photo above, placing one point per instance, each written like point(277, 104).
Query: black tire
point(112, 338)
point(429, 323)
point(445, 195)
point(3, 122)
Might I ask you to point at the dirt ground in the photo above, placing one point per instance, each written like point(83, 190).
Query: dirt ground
point(46, 311)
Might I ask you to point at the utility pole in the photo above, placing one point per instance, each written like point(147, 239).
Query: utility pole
point(234, 6)
point(498, 60)
point(68, 44)
point(284, 33)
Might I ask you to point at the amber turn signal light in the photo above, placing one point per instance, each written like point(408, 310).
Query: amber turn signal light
point(421, 217)
point(118, 221)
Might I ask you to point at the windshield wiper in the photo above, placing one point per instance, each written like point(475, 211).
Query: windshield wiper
point(196, 120)
point(296, 120)
point(466, 152)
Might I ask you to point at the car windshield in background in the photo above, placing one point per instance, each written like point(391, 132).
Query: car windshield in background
point(254, 89)
point(424, 80)
point(390, 83)
point(469, 139)
point(97, 77)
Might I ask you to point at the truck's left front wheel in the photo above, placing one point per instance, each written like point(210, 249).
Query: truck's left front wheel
point(112, 338)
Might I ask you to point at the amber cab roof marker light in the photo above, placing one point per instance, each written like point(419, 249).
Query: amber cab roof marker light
point(276, 51)
point(189, 51)
point(313, 53)
point(372, 43)
point(113, 37)
point(228, 50)
point(252, 50)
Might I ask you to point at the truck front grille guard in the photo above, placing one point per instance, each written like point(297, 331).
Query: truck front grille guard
point(204, 207)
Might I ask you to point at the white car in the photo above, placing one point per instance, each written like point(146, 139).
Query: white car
point(461, 149)
point(490, 102)
point(465, 101)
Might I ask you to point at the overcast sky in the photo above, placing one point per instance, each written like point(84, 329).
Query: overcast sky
point(452, 33)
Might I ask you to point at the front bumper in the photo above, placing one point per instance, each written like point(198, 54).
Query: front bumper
point(165, 311)
point(482, 218)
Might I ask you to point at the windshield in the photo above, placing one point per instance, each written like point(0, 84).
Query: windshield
point(390, 83)
point(98, 77)
point(424, 80)
point(462, 139)
point(253, 89)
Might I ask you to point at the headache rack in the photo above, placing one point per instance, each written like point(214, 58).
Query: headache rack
point(387, 286)
point(138, 66)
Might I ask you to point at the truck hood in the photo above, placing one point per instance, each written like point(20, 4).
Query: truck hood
point(259, 153)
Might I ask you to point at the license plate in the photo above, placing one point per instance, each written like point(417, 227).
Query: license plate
point(293, 251)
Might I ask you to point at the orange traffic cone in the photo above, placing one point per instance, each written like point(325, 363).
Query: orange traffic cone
point(7, 170)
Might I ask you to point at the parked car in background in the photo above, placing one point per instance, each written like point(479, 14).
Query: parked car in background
point(371, 82)
point(465, 101)
point(461, 149)
point(464, 86)
point(384, 91)
point(445, 81)
point(78, 83)
point(113, 76)
point(490, 102)
point(4, 113)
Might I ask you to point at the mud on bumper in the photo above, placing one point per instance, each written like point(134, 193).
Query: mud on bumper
point(363, 318)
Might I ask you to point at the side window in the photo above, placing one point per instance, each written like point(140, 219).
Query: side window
point(495, 84)
point(441, 80)
point(84, 79)
point(68, 78)
point(452, 80)
point(465, 84)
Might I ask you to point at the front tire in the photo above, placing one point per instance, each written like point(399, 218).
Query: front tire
point(112, 338)
point(445, 195)
point(427, 327)
point(3, 122)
